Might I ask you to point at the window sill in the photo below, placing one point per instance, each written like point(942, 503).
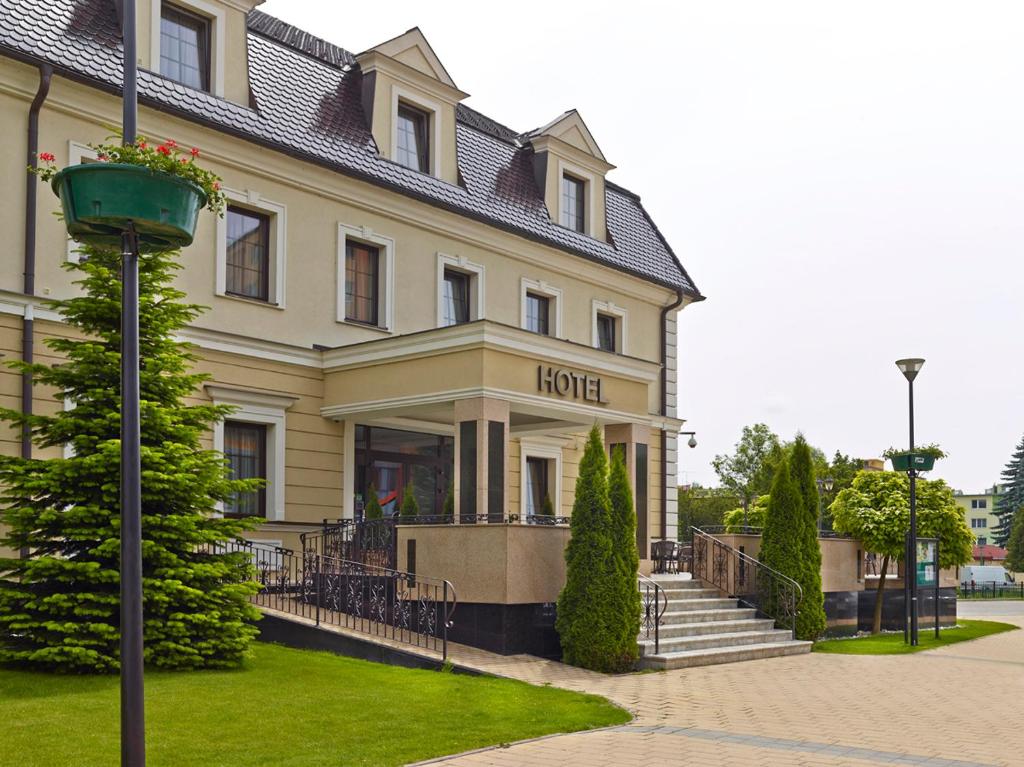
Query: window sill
point(252, 301)
point(364, 326)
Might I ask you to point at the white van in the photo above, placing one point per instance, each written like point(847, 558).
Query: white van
point(986, 574)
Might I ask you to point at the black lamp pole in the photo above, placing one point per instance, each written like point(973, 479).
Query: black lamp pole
point(910, 368)
point(133, 736)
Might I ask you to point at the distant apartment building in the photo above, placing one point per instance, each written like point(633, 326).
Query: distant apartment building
point(980, 511)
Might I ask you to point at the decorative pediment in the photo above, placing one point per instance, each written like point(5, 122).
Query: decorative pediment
point(413, 50)
point(570, 128)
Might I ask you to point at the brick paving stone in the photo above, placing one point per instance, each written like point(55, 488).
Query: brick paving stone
point(810, 710)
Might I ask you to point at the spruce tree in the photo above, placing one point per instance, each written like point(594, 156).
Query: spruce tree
point(584, 623)
point(810, 622)
point(373, 509)
point(780, 539)
point(626, 559)
point(1012, 496)
point(1015, 546)
point(59, 608)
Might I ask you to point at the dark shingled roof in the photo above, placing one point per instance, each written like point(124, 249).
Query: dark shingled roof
point(306, 102)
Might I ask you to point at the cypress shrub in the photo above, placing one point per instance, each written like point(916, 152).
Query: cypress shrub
point(626, 559)
point(410, 506)
point(546, 508)
point(780, 540)
point(59, 609)
point(1015, 544)
point(585, 622)
point(372, 508)
point(810, 622)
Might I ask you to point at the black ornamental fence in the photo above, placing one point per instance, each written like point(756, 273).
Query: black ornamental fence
point(752, 583)
point(363, 597)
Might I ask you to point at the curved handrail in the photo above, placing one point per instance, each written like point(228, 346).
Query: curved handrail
point(652, 610)
point(749, 580)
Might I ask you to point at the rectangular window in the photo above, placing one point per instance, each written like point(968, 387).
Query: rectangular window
point(572, 203)
point(362, 272)
point(413, 150)
point(538, 313)
point(536, 485)
point(245, 447)
point(248, 254)
point(455, 297)
point(982, 541)
point(983, 504)
point(185, 47)
point(606, 332)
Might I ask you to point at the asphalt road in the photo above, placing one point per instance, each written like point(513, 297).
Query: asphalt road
point(988, 608)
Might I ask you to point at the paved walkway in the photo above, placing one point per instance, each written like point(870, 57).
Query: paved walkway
point(954, 707)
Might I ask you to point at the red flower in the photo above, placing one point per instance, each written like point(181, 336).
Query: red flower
point(143, 145)
point(195, 152)
point(163, 150)
point(183, 160)
point(216, 185)
point(46, 157)
point(170, 142)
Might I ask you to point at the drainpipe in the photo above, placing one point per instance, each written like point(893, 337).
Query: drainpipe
point(29, 283)
point(664, 407)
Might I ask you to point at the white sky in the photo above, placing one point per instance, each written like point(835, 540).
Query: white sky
point(843, 181)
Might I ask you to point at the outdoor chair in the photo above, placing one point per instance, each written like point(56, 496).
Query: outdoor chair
point(665, 555)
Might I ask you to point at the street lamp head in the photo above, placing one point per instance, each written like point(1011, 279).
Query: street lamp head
point(829, 484)
point(910, 367)
point(692, 441)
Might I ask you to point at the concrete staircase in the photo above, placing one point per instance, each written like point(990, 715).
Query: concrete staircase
point(701, 628)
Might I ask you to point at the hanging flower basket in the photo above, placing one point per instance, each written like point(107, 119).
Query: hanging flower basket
point(156, 189)
point(100, 201)
point(908, 461)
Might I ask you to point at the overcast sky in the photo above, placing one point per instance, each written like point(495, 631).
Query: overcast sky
point(843, 181)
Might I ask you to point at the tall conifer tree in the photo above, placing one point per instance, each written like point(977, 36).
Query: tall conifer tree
point(625, 557)
point(1015, 545)
point(781, 547)
point(810, 622)
point(1012, 496)
point(59, 607)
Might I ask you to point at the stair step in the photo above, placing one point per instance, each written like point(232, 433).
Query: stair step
point(715, 627)
point(694, 593)
point(674, 578)
point(710, 656)
point(701, 603)
point(705, 641)
point(671, 618)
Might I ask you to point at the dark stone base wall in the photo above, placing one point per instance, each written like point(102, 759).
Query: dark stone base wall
point(841, 613)
point(892, 608)
point(507, 629)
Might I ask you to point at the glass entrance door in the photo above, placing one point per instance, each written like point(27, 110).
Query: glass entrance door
point(390, 459)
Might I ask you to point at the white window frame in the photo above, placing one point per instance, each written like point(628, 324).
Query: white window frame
point(261, 408)
point(215, 14)
point(540, 287)
point(386, 278)
point(278, 242)
point(611, 309)
point(77, 154)
point(589, 185)
point(434, 128)
point(548, 448)
point(475, 272)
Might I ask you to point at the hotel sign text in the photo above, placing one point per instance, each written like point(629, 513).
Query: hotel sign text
point(568, 383)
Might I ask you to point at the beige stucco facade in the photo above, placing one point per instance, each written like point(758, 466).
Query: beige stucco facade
point(315, 377)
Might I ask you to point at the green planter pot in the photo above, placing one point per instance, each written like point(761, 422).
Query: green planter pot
point(101, 199)
point(908, 461)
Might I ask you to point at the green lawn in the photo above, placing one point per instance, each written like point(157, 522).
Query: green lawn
point(892, 644)
point(287, 707)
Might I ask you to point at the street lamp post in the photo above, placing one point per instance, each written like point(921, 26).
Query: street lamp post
point(824, 485)
point(133, 739)
point(910, 368)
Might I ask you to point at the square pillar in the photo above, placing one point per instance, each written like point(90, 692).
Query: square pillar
point(634, 438)
point(481, 459)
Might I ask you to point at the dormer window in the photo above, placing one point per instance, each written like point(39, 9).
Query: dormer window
point(413, 138)
point(185, 47)
point(573, 190)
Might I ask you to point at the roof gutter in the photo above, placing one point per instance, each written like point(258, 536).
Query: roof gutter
point(664, 407)
point(29, 273)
